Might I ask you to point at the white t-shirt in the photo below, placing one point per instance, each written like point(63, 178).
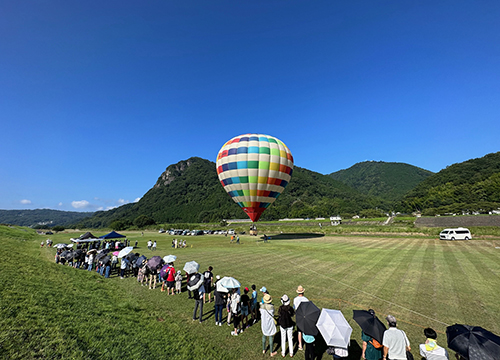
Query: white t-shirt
point(437, 354)
point(298, 300)
point(397, 342)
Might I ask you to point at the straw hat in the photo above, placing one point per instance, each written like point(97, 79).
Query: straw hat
point(300, 289)
point(267, 298)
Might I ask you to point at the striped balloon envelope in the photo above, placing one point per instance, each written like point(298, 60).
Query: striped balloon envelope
point(254, 169)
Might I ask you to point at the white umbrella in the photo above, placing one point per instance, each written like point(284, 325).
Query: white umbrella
point(334, 328)
point(125, 251)
point(229, 282)
point(60, 246)
point(191, 267)
point(221, 288)
point(169, 259)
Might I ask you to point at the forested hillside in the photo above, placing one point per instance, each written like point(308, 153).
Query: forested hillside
point(387, 180)
point(190, 191)
point(41, 217)
point(473, 185)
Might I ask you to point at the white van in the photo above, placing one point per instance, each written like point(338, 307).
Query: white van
point(455, 234)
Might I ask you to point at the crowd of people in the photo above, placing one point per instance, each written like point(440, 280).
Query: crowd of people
point(243, 307)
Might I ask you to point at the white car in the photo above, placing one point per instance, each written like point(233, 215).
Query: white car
point(455, 234)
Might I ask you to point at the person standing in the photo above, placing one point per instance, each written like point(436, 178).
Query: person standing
point(209, 278)
point(123, 267)
point(370, 352)
point(220, 299)
point(245, 305)
point(171, 280)
point(235, 312)
point(154, 246)
point(296, 302)
point(149, 244)
point(430, 349)
point(310, 347)
point(91, 262)
point(178, 282)
point(267, 324)
point(285, 314)
point(253, 304)
point(395, 342)
point(194, 284)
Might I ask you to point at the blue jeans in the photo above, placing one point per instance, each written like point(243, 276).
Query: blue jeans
point(107, 271)
point(218, 313)
point(101, 270)
point(89, 268)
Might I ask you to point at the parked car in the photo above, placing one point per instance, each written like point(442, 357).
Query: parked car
point(455, 234)
point(231, 232)
point(161, 231)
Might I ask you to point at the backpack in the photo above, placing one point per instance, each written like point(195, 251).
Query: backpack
point(376, 344)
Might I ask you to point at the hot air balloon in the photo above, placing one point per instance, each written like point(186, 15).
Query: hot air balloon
point(254, 169)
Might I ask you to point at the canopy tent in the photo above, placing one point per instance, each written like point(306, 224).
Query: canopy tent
point(84, 241)
point(87, 235)
point(112, 235)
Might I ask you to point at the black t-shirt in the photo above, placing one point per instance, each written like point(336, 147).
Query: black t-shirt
point(245, 299)
point(208, 276)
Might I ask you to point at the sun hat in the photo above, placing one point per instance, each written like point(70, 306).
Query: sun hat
point(300, 289)
point(267, 298)
point(285, 300)
point(263, 289)
point(218, 277)
point(391, 319)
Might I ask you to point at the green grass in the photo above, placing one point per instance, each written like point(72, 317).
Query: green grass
point(56, 312)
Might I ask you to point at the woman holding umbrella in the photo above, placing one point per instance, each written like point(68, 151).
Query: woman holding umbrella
point(267, 324)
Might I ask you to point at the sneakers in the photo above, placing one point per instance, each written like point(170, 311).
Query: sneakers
point(216, 323)
point(234, 333)
point(228, 324)
point(220, 324)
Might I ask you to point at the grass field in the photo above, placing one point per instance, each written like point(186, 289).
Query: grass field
point(50, 311)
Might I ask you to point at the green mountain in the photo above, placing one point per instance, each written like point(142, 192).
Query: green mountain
point(190, 191)
point(41, 217)
point(387, 180)
point(473, 185)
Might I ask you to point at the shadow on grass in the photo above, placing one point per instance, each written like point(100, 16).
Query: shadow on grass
point(293, 236)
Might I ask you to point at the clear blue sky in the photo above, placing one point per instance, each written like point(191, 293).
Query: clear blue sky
point(97, 98)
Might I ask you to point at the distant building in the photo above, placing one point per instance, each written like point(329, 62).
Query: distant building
point(336, 220)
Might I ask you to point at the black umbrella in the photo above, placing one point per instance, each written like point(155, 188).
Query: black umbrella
point(105, 260)
point(307, 315)
point(139, 261)
point(77, 253)
point(67, 255)
point(103, 251)
point(155, 262)
point(473, 342)
point(370, 324)
point(99, 256)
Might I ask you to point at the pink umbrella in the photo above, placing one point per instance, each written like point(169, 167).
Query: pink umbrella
point(116, 253)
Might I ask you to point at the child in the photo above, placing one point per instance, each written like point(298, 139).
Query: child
point(178, 282)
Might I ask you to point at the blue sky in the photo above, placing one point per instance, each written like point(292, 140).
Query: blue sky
point(98, 98)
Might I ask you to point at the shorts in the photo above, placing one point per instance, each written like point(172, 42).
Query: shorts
point(208, 288)
point(170, 284)
point(253, 306)
point(244, 311)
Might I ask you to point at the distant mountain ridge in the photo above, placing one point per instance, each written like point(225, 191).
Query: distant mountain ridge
point(190, 191)
point(41, 217)
point(469, 186)
point(387, 180)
